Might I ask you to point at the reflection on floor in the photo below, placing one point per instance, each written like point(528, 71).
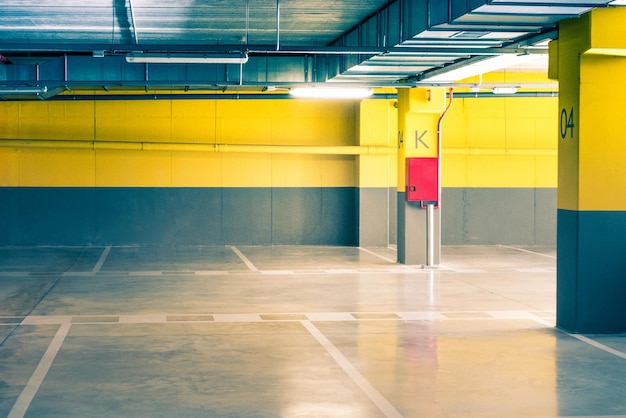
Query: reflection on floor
point(294, 332)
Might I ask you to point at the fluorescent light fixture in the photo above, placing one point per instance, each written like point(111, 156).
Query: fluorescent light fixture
point(23, 90)
point(504, 90)
point(330, 93)
point(178, 58)
point(481, 67)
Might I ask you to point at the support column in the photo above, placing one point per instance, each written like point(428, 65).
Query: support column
point(419, 110)
point(589, 60)
point(377, 173)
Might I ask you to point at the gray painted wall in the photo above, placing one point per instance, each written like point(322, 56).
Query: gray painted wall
point(481, 216)
point(375, 213)
point(498, 216)
point(265, 216)
point(186, 216)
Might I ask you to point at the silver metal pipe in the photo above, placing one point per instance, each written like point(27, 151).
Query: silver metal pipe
point(430, 232)
point(278, 25)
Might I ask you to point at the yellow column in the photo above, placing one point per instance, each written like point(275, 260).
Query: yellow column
point(589, 60)
point(377, 173)
point(419, 110)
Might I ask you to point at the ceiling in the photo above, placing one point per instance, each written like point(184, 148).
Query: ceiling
point(52, 47)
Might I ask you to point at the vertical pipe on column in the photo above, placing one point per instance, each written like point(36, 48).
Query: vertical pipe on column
point(430, 232)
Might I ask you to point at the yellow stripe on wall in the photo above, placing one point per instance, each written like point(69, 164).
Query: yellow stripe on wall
point(134, 143)
point(500, 142)
point(9, 167)
point(378, 127)
point(486, 143)
point(56, 168)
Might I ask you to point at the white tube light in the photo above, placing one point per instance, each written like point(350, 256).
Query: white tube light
point(504, 90)
point(330, 93)
point(23, 90)
point(177, 58)
point(483, 66)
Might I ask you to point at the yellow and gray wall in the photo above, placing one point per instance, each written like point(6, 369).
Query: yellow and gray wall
point(499, 169)
point(216, 172)
point(177, 172)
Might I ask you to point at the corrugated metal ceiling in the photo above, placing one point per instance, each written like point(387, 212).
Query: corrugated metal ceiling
point(180, 22)
point(71, 44)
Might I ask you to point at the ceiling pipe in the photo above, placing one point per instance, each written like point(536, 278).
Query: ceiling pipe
point(276, 96)
point(192, 96)
point(123, 49)
point(198, 147)
point(277, 25)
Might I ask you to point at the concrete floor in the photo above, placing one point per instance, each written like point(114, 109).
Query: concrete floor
point(294, 332)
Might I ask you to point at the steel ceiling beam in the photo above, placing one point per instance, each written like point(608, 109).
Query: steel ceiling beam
point(15, 49)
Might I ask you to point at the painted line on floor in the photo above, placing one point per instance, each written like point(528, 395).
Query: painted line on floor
point(379, 400)
point(591, 416)
point(536, 270)
point(599, 345)
point(101, 260)
point(396, 269)
point(582, 338)
point(30, 390)
point(143, 319)
point(528, 251)
point(243, 258)
point(377, 255)
point(162, 318)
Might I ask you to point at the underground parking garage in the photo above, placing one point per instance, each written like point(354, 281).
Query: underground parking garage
point(179, 234)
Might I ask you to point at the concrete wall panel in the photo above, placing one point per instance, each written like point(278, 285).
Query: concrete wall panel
point(522, 216)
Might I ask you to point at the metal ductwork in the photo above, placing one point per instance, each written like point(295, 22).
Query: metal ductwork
point(49, 49)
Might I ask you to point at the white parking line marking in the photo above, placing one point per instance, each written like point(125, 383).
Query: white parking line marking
point(31, 388)
point(371, 392)
point(528, 251)
point(243, 258)
point(377, 255)
point(101, 260)
point(599, 345)
point(582, 338)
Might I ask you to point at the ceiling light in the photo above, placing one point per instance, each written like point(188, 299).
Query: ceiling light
point(330, 93)
point(504, 90)
point(23, 90)
point(177, 58)
point(481, 67)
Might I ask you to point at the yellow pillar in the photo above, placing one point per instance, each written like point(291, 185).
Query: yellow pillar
point(377, 173)
point(589, 60)
point(419, 110)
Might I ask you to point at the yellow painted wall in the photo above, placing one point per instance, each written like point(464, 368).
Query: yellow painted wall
point(241, 122)
point(378, 127)
point(501, 142)
point(486, 143)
